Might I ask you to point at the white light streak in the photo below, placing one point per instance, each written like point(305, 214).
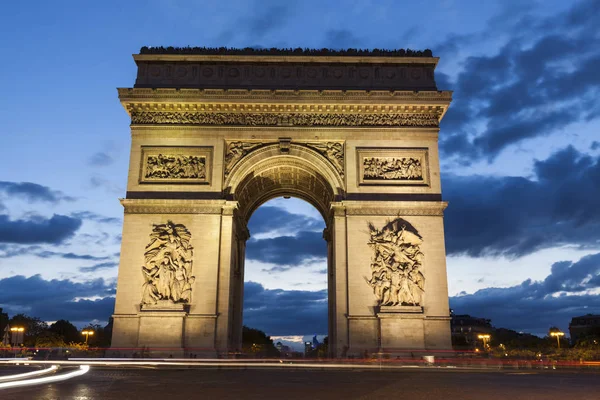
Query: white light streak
point(28, 374)
point(49, 379)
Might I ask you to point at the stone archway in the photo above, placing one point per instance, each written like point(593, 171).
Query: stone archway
point(214, 136)
point(273, 170)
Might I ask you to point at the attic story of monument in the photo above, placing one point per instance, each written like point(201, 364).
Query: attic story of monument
point(217, 132)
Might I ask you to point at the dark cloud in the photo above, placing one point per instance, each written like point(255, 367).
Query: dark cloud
point(33, 192)
point(92, 216)
point(534, 306)
point(37, 229)
point(288, 250)
point(98, 238)
point(54, 299)
point(101, 159)
point(14, 250)
point(268, 219)
point(595, 145)
point(99, 266)
point(285, 312)
point(528, 89)
point(70, 256)
point(514, 216)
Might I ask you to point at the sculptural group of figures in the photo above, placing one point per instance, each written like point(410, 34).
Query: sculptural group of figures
point(396, 276)
point(168, 265)
point(401, 168)
point(176, 166)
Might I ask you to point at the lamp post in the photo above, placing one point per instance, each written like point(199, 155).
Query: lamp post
point(557, 335)
point(485, 338)
point(17, 336)
point(87, 333)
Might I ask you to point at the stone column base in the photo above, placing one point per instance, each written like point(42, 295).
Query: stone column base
point(401, 330)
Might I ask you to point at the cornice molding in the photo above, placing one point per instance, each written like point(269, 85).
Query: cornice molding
point(143, 94)
point(390, 208)
point(250, 108)
point(155, 206)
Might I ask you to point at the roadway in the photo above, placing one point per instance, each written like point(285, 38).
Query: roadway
point(413, 384)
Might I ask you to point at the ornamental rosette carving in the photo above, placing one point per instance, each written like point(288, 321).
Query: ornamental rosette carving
point(333, 151)
point(396, 276)
point(168, 265)
point(284, 119)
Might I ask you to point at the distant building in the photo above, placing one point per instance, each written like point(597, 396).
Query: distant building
point(307, 348)
point(466, 328)
point(315, 342)
point(583, 326)
point(284, 351)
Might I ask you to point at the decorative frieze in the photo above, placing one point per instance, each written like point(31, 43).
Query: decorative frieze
point(396, 264)
point(167, 268)
point(285, 119)
point(392, 166)
point(175, 164)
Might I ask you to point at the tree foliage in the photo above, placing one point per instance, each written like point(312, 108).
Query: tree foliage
point(66, 330)
point(256, 343)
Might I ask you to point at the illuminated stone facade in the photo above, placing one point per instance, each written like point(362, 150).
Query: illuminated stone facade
point(216, 135)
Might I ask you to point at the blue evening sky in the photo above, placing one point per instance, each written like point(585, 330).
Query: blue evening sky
point(520, 150)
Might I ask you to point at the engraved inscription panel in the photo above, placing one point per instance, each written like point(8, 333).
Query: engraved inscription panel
point(392, 166)
point(175, 164)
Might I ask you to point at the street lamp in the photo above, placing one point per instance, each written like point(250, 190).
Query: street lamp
point(87, 334)
point(485, 338)
point(17, 334)
point(557, 335)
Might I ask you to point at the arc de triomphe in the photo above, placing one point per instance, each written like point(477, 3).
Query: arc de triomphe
point(216, 134)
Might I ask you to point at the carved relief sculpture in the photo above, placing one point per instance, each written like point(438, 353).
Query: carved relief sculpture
point(392, 168)
point(235, 152)
point(175, 164)
point(284, 119)
point(401, 166)
point(168, 265)
point(334, 152)
point(396, 276)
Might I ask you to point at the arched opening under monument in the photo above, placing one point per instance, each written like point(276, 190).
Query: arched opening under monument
point(286, 278)
point(280, 173)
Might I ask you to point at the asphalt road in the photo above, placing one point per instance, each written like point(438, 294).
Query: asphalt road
point(409, 384)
